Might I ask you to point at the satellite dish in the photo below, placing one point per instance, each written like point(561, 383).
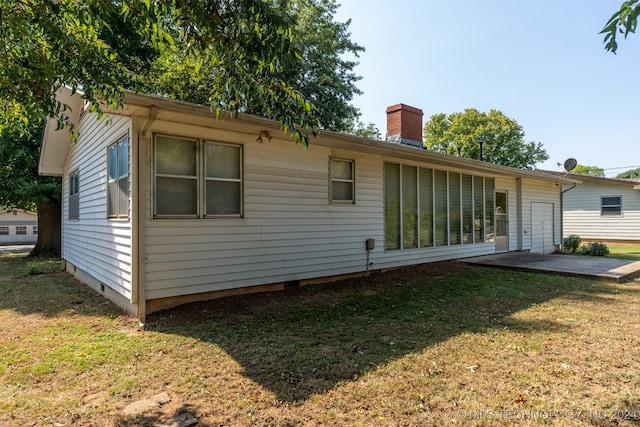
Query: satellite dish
point(570, 164)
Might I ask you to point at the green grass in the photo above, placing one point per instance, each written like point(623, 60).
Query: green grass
point(431, 345)
point(631, 252)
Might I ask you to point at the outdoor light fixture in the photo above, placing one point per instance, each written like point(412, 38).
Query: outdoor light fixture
point(263, 134)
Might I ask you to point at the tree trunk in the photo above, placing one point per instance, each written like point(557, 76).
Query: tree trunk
point(48, 244)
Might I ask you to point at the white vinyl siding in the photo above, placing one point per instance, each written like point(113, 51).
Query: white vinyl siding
point(582, 212)
point(288, 231)
point(93, 243)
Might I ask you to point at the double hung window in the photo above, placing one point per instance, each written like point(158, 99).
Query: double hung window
point(342, 181)
point(195, 178)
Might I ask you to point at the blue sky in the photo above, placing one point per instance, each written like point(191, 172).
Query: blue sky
point(540, 62)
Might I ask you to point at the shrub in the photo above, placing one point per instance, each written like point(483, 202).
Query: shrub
point(595, 249)
point(572, 243)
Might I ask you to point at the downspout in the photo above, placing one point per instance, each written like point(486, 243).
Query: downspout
point(519, 214)
point(144, 141)
point(562, 213)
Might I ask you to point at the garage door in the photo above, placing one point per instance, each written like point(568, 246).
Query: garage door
point(542, 228)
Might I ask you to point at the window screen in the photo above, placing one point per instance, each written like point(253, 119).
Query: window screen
point(611, 205)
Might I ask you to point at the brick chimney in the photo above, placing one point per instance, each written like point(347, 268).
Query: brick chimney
point(404, 125)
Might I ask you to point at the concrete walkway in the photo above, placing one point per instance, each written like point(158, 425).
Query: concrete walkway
point(618, 270)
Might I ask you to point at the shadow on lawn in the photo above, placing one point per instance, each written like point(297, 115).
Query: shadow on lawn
point(304, 341)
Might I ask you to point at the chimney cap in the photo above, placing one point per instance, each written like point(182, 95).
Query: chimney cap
point(405, 107)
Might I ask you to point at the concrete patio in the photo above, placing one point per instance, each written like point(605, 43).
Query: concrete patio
point(617, 270)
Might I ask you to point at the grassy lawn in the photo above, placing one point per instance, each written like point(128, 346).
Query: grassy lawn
point(631, 252)
point(443, 344)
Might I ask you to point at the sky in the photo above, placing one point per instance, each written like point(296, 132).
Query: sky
point(540, 62)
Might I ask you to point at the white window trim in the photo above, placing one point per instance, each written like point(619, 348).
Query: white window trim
point(201, 180)
point(352, 181)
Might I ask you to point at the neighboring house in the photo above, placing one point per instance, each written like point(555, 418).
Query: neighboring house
point(18, 227)
point(602, 209)
point(166, 204)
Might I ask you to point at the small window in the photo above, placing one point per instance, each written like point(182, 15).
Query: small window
point(118, 179)
point(611, 205)
point(74, 195)
point(21, 230)
point(35, 229)
point(342, 180)
point(4, 231)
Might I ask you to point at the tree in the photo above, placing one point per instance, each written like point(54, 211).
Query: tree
point(324, 77)
point(630, 174)
point(367, 131)
point(48, 44)
point(624, 21)
point(22, 187)
point(501, 138)
point(588, 170)
point(318, 74)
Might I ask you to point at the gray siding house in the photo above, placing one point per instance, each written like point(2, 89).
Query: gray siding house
point(603, 209)
point(166, 204)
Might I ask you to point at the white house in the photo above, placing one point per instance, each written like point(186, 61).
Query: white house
point(602, 209)
point(166, 204)
point(18, 227)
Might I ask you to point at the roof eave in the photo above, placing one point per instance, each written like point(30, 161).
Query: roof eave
point(344, 141)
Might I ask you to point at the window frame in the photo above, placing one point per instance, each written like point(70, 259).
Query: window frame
point(121, 212)
point(74, 195)
point(352, 180)
point(201, 178)
point(611, 205)
point(444, 188)
point(4, 230)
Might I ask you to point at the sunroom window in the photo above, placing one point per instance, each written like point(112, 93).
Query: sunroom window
point(425, 207)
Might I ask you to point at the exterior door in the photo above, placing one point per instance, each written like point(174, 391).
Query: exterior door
point(502, 221)
point(542, 228)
